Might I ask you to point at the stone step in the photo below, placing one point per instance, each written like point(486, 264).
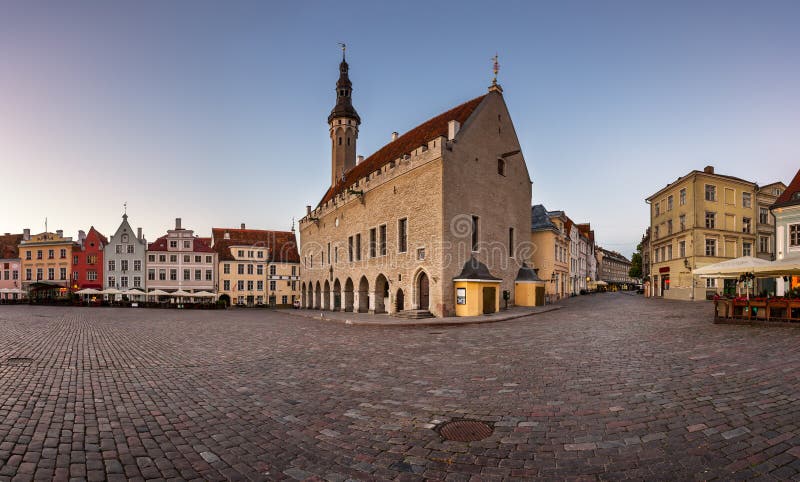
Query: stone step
point(414, 314)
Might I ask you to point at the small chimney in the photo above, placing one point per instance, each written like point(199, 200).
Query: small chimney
point(242, 225)
point(81, 236)
point(308, 208)
point(360, 159)
point(26, 234)
point(452, 129)
point(139, 233)
point(60, 233)
point(227, 235)
point(394, 136)
point(177, 223)
point(709, 170)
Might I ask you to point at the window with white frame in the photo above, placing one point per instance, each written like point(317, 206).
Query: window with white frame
point(711, 192)
point(711, 220)
point(682, 197)
point(711, 282)
point(764, 244)
point(794, 235)
point(711, 247)
point(747, 200)
point(747, 249)
point(682, 249)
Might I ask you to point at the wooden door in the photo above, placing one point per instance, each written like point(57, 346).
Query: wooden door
point(489, 298)
point(424, 293)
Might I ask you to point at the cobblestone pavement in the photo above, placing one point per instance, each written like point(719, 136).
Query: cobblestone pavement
point(610, 387)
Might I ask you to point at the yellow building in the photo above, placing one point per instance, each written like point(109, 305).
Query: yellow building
point(700, 219)
point(257, 267)
point(46, 262)
point(551, 253)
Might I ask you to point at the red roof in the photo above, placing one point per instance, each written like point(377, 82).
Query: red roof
point(282, 245)
point(200, 245)
point(416, 137)
point(9, 246)
point(785, 198)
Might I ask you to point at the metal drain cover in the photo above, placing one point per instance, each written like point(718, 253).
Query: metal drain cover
point(465, 430)
point(19, 361)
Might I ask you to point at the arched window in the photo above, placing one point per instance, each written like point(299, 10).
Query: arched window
point(340, 141)
point(501, 167)
point(348, 141)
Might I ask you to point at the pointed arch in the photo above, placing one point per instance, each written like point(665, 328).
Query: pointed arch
point(348, 295)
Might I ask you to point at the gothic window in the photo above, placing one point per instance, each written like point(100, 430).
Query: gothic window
point(340, 141)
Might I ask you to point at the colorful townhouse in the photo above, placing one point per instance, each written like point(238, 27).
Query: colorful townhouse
point(181, 261)
point(46, 262)
point(257, 267)
point(125, 257)
point(284, 269)
point(87, 260)
point(10, 283)
point(787, 231)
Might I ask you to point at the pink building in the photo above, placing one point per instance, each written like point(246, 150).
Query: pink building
point(10, 278)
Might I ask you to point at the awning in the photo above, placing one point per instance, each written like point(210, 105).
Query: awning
point(731, 268)
point(781, 267)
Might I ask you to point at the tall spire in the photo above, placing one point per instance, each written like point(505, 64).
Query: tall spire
point(344, 89)
point(343, 125)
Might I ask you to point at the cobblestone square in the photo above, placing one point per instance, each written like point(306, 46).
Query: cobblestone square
point(612, 386)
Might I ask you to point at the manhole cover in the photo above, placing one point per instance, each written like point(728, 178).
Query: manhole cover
point(465, 430)
point(19, 361)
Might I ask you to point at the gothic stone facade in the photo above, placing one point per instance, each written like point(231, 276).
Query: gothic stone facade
point(394, 230)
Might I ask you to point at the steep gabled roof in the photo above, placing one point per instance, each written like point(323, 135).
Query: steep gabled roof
point(787, 198)
point(282, 245)
point(422, 134)
point(9, 246)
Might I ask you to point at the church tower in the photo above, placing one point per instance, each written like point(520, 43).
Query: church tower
point(343, 123)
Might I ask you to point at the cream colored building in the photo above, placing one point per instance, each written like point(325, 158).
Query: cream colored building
point(700, 219)
point(46, 264)
point(551, 255)
point(257, 267)
point(181, 261)
point(398, 230)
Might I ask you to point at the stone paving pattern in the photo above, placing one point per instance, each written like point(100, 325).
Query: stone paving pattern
point(610, 387)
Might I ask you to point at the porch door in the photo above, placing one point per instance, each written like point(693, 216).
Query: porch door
point(424, 292)
point(488, 300)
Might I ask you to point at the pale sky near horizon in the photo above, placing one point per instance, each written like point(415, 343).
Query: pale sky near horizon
point(216, 113)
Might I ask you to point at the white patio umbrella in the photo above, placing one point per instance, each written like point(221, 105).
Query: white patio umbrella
point(133, 291)
point(731, 268)
point(157, 293)
point(88, 291)
point(180, 292)
point(204, 294)
point(781, 267)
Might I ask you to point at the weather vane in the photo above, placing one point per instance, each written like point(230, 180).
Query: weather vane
point(344, 47)
point(125, 207)
point(496, 69)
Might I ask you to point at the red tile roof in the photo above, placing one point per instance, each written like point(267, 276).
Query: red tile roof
point(200, 245)
point(282, 245)
point(422, 134)
point(785, 199)
point(9, 246)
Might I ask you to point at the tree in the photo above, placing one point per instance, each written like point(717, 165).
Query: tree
point(636, 264)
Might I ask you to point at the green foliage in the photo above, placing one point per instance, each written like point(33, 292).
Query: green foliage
point(636, 265)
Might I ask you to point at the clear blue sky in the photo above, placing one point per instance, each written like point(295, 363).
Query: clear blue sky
point(216, 111)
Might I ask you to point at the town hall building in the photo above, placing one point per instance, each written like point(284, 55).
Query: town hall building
point(436, 222)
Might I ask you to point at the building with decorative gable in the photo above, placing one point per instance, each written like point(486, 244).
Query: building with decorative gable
point(435, 207)
point(181, 261)
point(46, 264)
point(125, 257)
point(87, 260)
